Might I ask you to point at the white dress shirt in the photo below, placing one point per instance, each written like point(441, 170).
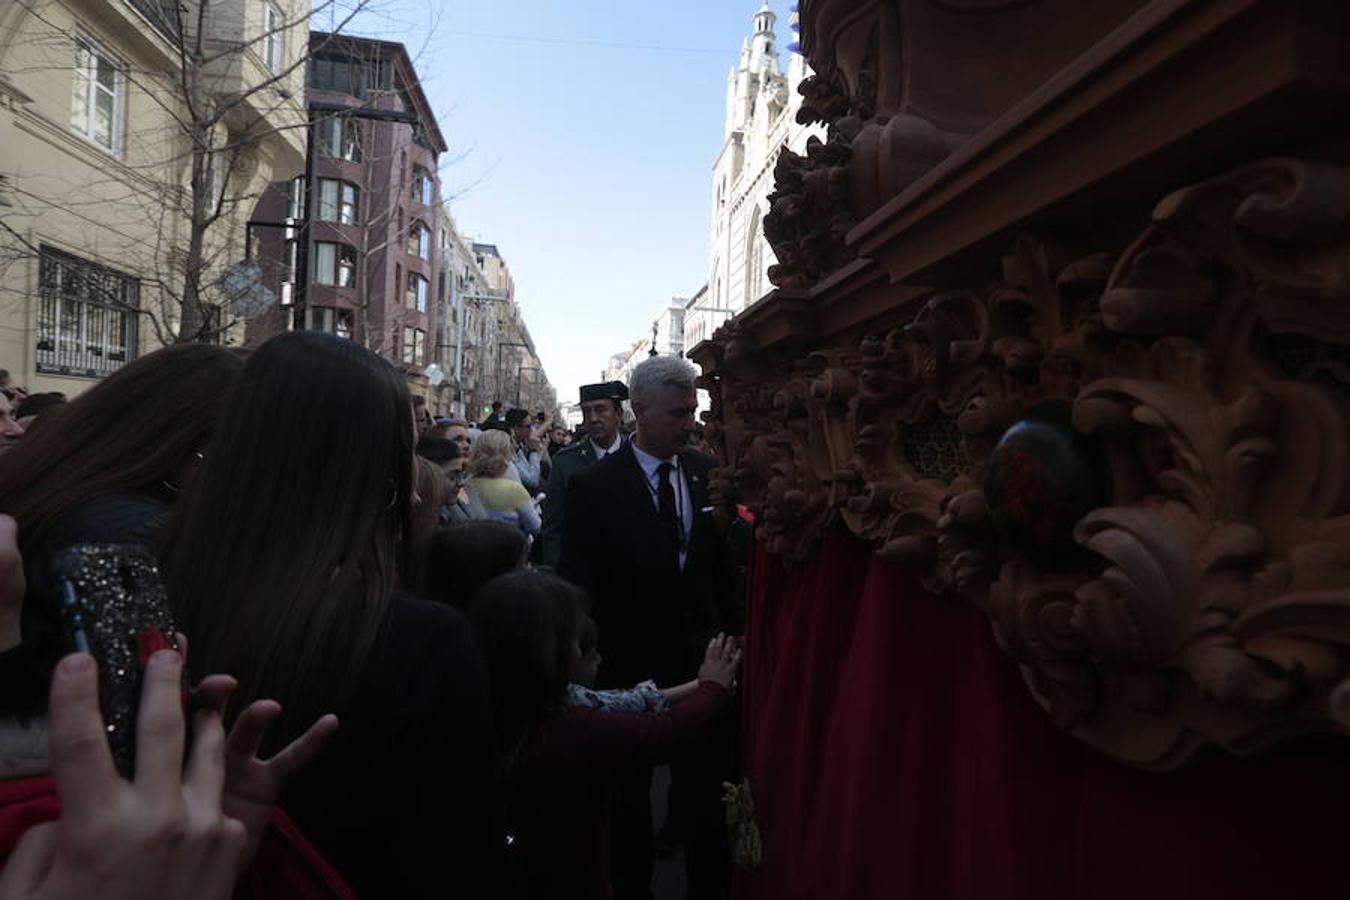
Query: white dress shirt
point(602, 452)
point(683, 501)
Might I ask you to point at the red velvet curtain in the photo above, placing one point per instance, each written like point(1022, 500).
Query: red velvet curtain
point(894, 752)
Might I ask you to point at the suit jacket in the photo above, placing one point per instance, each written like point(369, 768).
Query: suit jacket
point(566, 463)
point(655, 619)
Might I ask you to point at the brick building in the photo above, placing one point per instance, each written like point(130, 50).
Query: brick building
point(354, 249)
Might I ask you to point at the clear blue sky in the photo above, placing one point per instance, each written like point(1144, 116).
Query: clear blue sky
point(589, 166)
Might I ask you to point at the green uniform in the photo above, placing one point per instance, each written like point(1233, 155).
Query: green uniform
point(568, 462)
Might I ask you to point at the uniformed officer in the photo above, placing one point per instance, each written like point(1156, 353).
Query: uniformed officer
point(601, 416)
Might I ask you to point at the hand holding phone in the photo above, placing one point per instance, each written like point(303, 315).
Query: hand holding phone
point(163, 835)
point(115, 609)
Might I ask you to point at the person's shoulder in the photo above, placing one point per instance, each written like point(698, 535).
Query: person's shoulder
point(605, 471)
point(424, 633)
point(417, 615)
point(571, 451)
point(697, 459)
point(120, 517)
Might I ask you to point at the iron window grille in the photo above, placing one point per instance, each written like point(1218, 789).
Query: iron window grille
point(87, 316)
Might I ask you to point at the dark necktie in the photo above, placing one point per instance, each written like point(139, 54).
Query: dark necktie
point(670, 513)
point(665, 493)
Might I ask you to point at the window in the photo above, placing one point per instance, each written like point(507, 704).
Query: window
point(419, 240)
point(295, 199)
point(340, 75)
point(414, 346)
point(416, 295)
point(291, 260)
point(87, 316)
point(348, 76)
point(272, 39)
point(99, 96)
point(339, 137)
point(334, 265)
point(754, 264)
point(337, 201)
point(423, 188)
point(343, 326)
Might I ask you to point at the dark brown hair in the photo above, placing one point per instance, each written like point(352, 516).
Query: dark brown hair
point(282, 558)
point(527, 624)
point(133, 431)
point(467, 555)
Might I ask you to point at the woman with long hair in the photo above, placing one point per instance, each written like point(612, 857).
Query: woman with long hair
point(138, 433)
point(104, 468)
point(281, 565)
point(505, 499)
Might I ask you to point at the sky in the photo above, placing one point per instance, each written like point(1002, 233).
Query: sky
point(582, 136)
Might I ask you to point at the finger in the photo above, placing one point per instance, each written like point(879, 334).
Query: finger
point(247, 734)
point(294, 755)
point(27, 867)
point(77, 742)
point(1340, 705)
point(9, 532)
point(206, 765)
point(182, 642)
point(214, 691)
point(159, 727)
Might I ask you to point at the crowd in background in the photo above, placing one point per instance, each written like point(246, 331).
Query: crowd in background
point(390, 697)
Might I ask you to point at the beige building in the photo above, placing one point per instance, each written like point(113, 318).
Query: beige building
point(101, 188)
point(761, 120)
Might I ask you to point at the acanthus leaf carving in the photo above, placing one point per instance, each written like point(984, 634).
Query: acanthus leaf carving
point(1207, 601)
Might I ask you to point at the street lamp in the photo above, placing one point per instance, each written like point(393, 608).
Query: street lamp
point(500, 345)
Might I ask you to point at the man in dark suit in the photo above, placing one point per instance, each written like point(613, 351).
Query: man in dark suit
point(638, 537)
point(602, 414)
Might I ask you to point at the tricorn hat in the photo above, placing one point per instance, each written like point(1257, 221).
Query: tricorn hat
point(605, 390)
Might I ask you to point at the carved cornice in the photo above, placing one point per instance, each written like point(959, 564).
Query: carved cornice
point(1204, 598)
point(951, 122)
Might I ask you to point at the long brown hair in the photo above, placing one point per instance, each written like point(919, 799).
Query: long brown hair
point(133, 431)
point(282, 557)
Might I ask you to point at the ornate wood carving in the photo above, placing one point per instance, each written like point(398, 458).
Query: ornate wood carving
point(1208, 601)
point(900, 85)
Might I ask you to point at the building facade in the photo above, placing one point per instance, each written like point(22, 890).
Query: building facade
point(354, 249)
point(112, 217)
point(761, 119)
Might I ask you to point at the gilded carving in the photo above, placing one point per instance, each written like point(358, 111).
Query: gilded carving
point(1207, 601)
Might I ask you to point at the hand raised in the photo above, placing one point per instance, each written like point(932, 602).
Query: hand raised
point(162, 835)
point(721, 661)
point(252, 785)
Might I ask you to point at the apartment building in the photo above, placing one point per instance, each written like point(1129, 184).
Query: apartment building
point(112, 218)
point(354, 248)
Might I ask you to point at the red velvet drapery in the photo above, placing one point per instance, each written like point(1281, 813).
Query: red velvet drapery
point(894, 752)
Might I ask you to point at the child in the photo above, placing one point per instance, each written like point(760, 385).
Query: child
point(646, 697)
point(562, 759)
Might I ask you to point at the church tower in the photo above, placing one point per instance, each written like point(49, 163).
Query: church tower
point(761, 106)
point(762, 52)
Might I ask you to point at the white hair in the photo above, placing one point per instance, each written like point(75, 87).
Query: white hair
point(658, 373)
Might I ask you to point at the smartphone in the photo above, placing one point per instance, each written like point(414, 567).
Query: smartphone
point(115, 609)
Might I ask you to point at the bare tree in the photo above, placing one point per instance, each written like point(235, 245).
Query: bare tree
point(235, 89)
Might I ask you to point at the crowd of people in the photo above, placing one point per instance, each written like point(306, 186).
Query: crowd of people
point(425, 657)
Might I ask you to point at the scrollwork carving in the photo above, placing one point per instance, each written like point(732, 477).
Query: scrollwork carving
point(1208, 600)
